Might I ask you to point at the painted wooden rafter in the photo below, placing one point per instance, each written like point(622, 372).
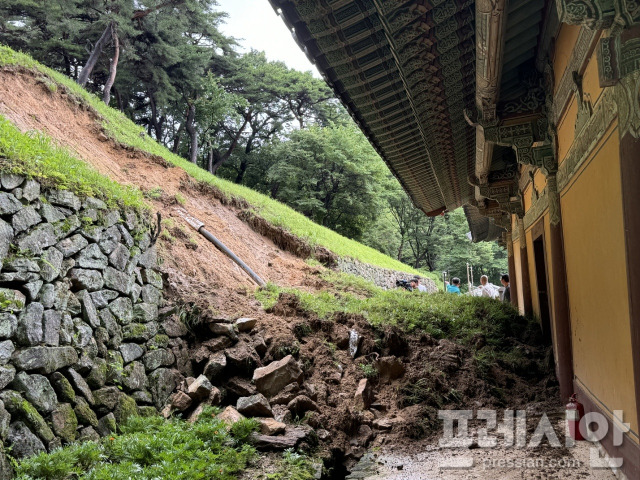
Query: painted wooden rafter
point(490, 37)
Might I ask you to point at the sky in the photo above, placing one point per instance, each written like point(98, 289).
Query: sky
point(256, 25)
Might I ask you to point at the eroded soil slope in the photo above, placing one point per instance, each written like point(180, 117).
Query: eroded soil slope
point(30, 105)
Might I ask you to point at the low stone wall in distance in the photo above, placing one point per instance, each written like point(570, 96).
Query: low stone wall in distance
point(81, 345)
point(382, 277)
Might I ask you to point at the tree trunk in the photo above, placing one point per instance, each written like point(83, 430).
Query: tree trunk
point(113, 67)
point(223, 158)
point(193, 133)
point(210, 154)
point(177, 137)
point(67, 65)
point(431, 263)
point(155, 123)
point(95, 54)
point(244, 163)
point(119, 99)
point(160, 133)
point(400, 248)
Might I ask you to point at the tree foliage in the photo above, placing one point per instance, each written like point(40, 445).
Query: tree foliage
point(331, 174)
point(167, 66)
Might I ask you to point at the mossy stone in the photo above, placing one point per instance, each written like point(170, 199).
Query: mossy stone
point(98, 375)
point(64, 422)
point(125, 408)
point(62, 387)
point(159, 341)
point(17, 406)
point(84, 414)
point(107, 425)
point(35, 421)
point(147, 411)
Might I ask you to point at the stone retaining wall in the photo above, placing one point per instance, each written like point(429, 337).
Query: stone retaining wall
point(81, 343)
point(381, 277)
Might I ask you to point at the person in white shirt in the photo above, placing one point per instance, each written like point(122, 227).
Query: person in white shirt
point(416, 285)
point(488, 289)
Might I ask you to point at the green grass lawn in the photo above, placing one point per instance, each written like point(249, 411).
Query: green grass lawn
point(123, 130)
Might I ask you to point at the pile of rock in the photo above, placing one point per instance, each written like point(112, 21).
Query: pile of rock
point(81, 344)
point(233, 375)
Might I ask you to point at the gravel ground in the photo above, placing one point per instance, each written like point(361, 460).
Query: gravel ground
point(432, 462)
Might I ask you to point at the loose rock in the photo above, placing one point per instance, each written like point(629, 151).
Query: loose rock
point(364, 395)
point(200, 388)
point(301, 405)
point(246, 324)
point(274, 377)
point(254, 406)
point(230, 415)
point(270, 426)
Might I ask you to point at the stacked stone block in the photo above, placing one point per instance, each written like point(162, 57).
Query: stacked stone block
point(382, 277)
point(81, 345)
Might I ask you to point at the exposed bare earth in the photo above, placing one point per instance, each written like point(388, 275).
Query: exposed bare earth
point(199, 275)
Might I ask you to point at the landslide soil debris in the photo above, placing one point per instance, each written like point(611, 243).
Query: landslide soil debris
point(410, 373)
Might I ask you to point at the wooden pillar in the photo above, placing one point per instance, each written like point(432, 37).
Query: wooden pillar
point(524, 264)
point(630, 170)
point(561, 320)
point(513, 282)
point(625, 81)
point(630, 176)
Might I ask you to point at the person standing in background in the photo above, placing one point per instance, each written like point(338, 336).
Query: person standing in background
point(455, 287)
point(415, 283)
point(488, 289)
point(506, 295)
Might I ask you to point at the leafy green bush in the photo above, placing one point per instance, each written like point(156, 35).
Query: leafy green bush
point(243, 428)
point(150, 448)
point(368, 370)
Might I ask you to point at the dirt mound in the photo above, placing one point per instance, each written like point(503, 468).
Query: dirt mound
point(409, 377)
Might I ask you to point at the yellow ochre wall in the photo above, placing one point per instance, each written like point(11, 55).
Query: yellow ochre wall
point(595, 261)
point(595, 266)
point(565, 41)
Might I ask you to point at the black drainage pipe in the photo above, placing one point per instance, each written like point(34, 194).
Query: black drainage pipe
point(199, 227)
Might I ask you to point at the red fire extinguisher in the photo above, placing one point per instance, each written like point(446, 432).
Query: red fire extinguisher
point(575, 412)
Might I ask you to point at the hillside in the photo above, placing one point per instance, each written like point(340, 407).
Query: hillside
point(91, 118)
point(367, 367)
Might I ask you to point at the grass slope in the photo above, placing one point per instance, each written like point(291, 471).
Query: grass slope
point(36, 157)
point(125, 131)
point(460, 318)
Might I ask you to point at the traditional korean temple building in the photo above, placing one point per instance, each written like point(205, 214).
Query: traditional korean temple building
point(527, 113)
